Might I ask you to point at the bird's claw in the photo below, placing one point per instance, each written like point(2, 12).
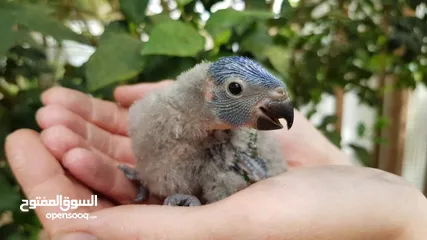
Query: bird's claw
point(182, 200)
point(142, 194)
point(131, 174)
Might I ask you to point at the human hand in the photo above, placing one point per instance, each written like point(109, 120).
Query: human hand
point(326, 202)
point(89, 135)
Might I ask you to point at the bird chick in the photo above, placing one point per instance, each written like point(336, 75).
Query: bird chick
point(206, 136)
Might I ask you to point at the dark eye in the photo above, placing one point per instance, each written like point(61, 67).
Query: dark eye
point(235, 88)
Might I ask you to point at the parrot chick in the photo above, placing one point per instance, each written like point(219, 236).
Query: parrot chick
point(205, 137)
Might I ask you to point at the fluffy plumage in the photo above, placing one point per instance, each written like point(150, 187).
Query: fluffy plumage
point(196, 138)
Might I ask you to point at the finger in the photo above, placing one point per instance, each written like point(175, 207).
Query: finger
point(59, 140)
point(87, 164)
point(98, 173)
point(116, 146)
point(104, 114)
point(39, 174)
point(126, 95)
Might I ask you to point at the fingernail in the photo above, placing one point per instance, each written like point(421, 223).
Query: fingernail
point(76, 236)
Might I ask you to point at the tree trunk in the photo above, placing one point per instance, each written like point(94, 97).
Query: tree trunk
point(339, 107)
point(391, 154)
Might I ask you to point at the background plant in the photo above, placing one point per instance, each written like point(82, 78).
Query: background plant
point(317, 47)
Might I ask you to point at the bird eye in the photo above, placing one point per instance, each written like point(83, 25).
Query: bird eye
point(235, 88)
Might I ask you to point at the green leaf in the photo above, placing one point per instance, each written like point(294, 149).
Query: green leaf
point(258, 15)
point(362, 154)
point(116, 59)
point(279, 58)
point(286, 9)
point(159, 67)
point(116, 27)
point(10, 196)
point(380, 62)
point(8, 30)
point(328, 119)
point(159, 18)
point(4, 128)
point(11, 33)
point(174, 38)
point(257, 41)
point(38, 18)
point(222, 37)
point(334, 137)
point(221, 23)
point(22, 114)
point(361, 129)
point(381, 122)
point(256, 4)
point(24, 37)
point(134, 10)
point(183, 2)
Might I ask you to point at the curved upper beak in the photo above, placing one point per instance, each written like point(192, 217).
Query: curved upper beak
point(270, 113)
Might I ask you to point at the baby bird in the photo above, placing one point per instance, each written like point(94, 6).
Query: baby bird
point(207, 136)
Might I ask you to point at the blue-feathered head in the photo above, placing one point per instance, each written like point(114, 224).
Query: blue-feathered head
point(246, 94)
point(243, 68)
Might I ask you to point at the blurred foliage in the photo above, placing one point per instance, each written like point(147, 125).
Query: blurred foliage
point(314, 46)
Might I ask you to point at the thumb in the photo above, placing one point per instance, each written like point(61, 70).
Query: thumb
point(126, 95)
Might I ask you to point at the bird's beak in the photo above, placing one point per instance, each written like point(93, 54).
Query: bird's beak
point(271, 111)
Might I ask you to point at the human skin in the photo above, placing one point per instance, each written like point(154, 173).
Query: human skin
point(321, 197)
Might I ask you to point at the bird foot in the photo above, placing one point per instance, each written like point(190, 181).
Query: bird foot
point(142, 194)
point(131, 174)
point(182, 200)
